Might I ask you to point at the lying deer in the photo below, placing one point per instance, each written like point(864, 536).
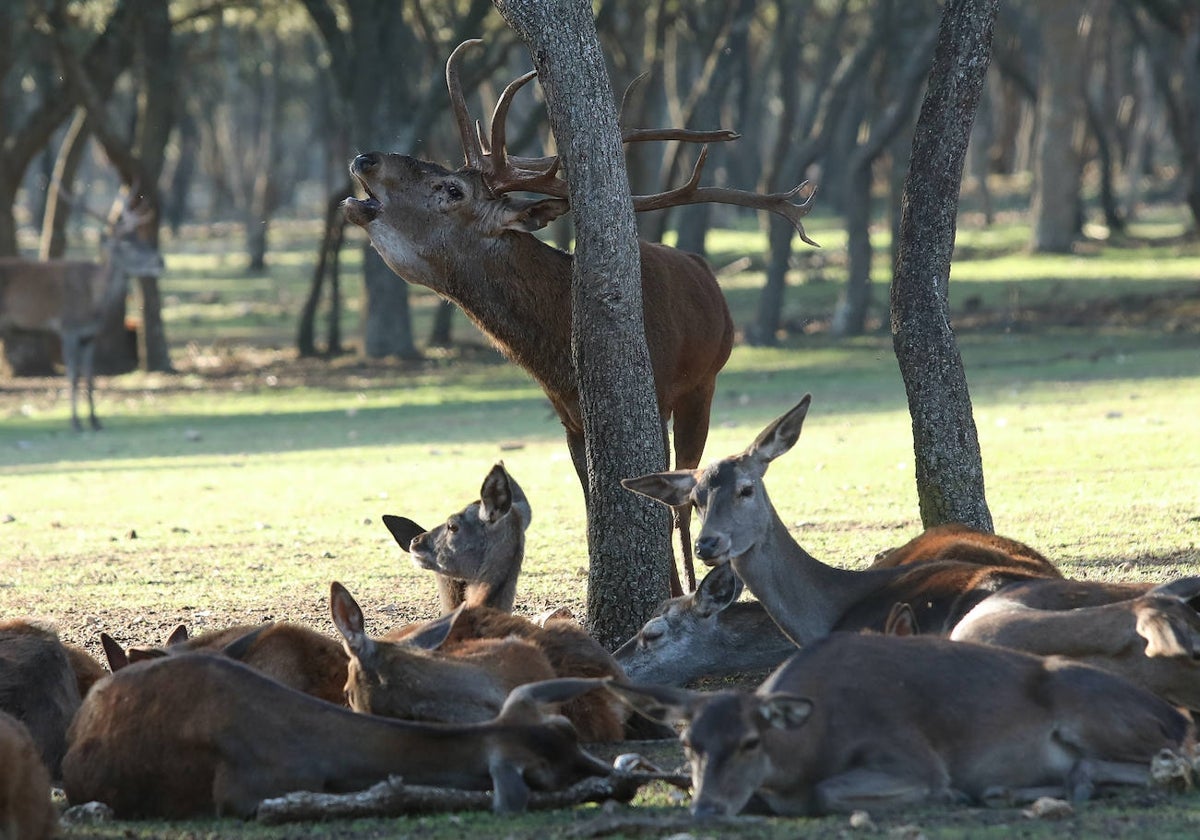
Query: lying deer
point(476, 554)
point(709, 633)
point(806, 597)
point(405, 678)
point(38, 686)
point(294, 655)
point(26, 812)
point(198, 734)
point(867, 721)
point(72, 299)
point(463, 235)
point(1150, 640)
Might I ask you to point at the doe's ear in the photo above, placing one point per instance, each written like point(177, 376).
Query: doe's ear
point(1165, 634)
point(348, 618)
point(117, 659)
point(495, 496)
point(434, 633)
point(528, 215)
point(658, 702)
point(671, 488)
point(781, 434)
point(785, 711)
point(720, 588)
point(403, 530)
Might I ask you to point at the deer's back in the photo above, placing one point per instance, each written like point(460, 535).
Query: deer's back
point(38, 686)
point(37, 295)
point(967, 545)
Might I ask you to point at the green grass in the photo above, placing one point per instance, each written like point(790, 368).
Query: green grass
point(234, 492)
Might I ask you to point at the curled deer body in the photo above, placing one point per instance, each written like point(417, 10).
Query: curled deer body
point(26, 812)
point(38, 686)
point(72, 298)
point(867, 721)
point(806, 597)
point(198, 734)
point(461, 234)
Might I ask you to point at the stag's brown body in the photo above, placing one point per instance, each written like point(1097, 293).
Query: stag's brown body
point(26, 812)
point(198, 734)
point(38, 686)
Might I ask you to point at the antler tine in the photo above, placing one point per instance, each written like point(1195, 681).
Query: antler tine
point(472, 148)
point(642, 135)
point(629, 91)
point(508, 174)
point(499, 149)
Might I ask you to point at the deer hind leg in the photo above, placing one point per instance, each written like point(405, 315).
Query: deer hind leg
point(863, 789)
point(72, 351)
point(88, 363)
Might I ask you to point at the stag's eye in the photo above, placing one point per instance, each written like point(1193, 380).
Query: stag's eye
point(454, 191)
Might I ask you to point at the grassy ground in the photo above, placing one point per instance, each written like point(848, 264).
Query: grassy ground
point(237, 489)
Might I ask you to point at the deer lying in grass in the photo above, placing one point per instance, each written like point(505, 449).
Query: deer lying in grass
point(26, 812)
point(709, 633)
point(72, 299)
point(294, 655)
point(806, 597)
point(463, 235)
point(405, 678)
point(199, 734)
point(475, 554)
point(1151, 640)
point(38, 686)
point(867, 721)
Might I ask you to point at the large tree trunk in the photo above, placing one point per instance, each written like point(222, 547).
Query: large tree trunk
point(949, 465)
point(388, 325)
point(628, 537)
point(1057, 166)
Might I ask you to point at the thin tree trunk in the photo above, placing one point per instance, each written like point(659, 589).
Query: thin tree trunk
point(949, 465)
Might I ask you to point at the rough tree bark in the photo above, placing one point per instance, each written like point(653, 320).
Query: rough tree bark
point(628, 540)
point(949, 466)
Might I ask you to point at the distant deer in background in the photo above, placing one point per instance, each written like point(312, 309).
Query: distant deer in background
point(462, 235)
point(475, 554)
point(72, 297)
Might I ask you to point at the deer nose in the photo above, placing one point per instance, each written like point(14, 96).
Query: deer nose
point(364, 163)
point(711, 547)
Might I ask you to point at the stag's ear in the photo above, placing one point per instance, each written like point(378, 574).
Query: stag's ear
point(781, 435)
point(434, 633)
point(785, 711)
point(495, 496)
point(348, 618)
point(720, 588)
point(403, 530)
point(658, 702)
point(671, 488)
point(531, 214)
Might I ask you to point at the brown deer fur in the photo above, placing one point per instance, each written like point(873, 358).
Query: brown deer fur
point(26, 812)
point(38, 686)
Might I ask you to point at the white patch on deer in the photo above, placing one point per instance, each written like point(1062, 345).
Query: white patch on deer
point(398, 252)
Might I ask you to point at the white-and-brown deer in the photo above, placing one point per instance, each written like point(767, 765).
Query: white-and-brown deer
point(476, 553)
point(807, 598)
point(462, 234)
point(200, 735)
point(72, 298)
point(865, 721)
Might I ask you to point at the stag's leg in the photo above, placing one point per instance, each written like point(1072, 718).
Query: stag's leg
point(72, 349)
point(691, 433)
point(88, 363)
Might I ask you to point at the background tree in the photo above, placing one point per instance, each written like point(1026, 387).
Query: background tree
point(949, 465)
point(628, 539)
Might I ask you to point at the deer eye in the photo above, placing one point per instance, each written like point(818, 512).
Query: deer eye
point(452, 527)
point(749, 744)
point(454, 191)
point(745, 491)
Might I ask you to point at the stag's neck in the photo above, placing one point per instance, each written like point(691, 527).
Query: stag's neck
point(804, 596)
point(518, 292)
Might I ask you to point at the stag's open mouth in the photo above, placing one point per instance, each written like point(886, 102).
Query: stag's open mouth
point(361, 211)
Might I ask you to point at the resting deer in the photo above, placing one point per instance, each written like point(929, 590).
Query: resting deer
point(38, 686)
point(1150, 640)
point(461, 234)
point(476, 554)
point(806, 597)
point(72, 298)
point(709, 633)
point(26, 812)
point(868, 721)
point(296, 656)
point(405, 678)
point(198, 734)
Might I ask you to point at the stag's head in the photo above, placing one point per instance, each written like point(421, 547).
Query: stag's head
point(128, 251)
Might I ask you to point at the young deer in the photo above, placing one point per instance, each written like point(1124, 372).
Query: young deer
point(463, 235)
point(710, 633)
point(38, 686)
point(405, 678)
point(476, 554)
point(1151, 640)
point(202, 735)
point(26, 812)
point(866, 721)
point(806, 597)
point(72, 298)
point(296, 656)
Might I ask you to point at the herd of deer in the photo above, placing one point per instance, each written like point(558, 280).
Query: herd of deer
point(961, 666)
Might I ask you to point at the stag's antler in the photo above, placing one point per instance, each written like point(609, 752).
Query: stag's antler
point(509, 173)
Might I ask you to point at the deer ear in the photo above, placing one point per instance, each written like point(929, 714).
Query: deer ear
point(178, 636)
point(901, 621)
point(434, 633)
point(785, 711)
point(117, 659)
point(671, 488)
point(782, 434)
point(657, 702)
point(495, 496)
point(403, 530)
point(348, 618)
point(532, 214)
point(1164, 633)
point(720, 588)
